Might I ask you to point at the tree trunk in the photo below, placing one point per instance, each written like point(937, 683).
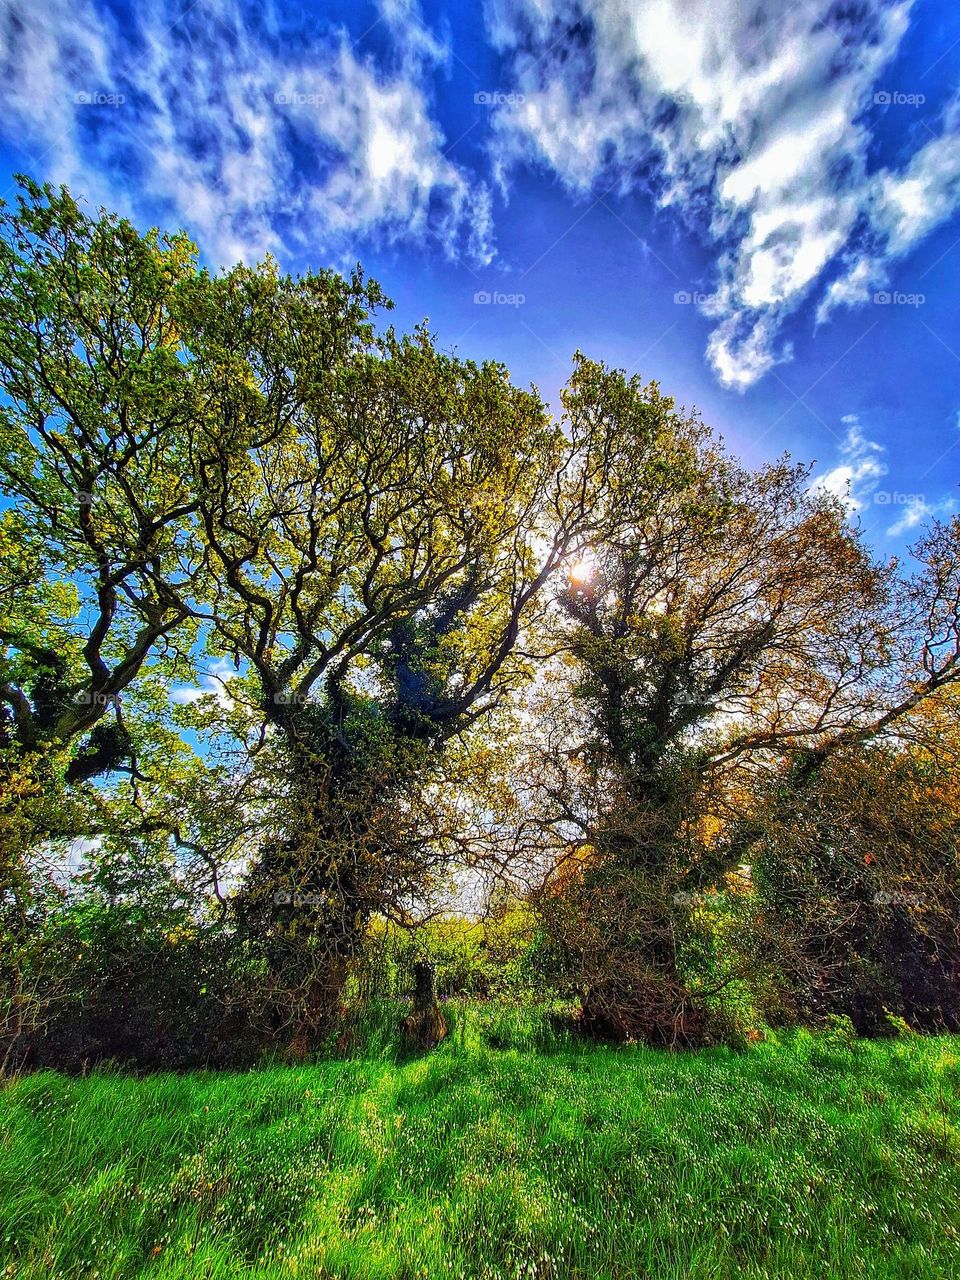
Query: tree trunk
point(425, 1026)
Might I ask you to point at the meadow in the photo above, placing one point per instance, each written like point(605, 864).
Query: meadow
point(511, 1151)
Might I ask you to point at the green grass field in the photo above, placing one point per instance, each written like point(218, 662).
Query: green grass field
point(499, 1155)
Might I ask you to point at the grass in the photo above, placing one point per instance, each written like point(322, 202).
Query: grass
point(802, 1156)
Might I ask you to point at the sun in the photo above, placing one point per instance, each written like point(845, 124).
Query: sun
point(581, 572)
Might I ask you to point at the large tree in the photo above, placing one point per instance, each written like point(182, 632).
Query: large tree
point(97, 413)
point(379, 521)
point(729, 623)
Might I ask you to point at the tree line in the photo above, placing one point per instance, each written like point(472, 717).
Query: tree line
point(312, 630)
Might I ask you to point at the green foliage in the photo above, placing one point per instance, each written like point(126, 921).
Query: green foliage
point(365, 534)
point(95, 445)
point(123, 970)
point(492, 956)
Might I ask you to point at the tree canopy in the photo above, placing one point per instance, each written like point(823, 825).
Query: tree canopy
point(594, 659)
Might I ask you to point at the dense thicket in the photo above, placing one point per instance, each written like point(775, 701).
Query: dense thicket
point(317, 640)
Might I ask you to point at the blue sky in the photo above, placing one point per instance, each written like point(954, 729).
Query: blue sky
point(756, 202)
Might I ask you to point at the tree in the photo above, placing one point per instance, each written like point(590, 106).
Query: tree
point(727, 622)
point(362, 524)
point(379, 522)
point(94, 435)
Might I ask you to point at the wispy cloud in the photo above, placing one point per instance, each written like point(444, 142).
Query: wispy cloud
point(855, 481)
point(861, 468)
point(255, 136)
point(260, 127)
point(753, 119)
point(900, 210)
point(213, 683)
point(917, 511)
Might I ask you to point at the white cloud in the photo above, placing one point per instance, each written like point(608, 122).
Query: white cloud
point(254, 138)
point(855, 481)
point(749, 116)
point(917, 511)
point(213, 682)
point(855, 478)
point(852, 288)
point(752, 119)
point(901, 209)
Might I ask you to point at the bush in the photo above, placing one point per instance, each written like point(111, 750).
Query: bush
point(122, 970)
point(141, 997)
point(858, 888)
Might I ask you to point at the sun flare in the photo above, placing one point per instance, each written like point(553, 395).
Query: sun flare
point(581, 572)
